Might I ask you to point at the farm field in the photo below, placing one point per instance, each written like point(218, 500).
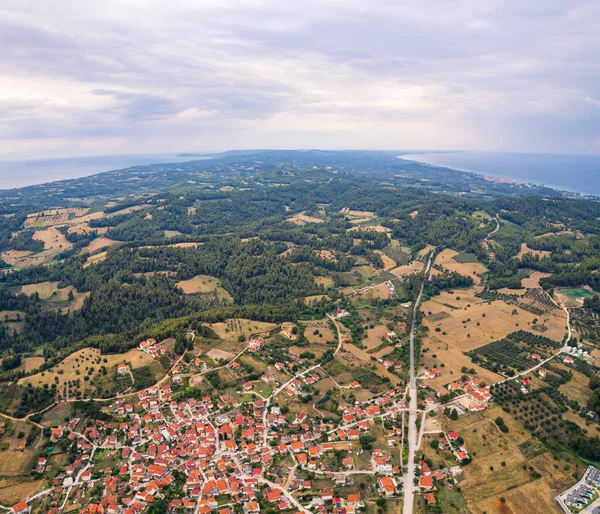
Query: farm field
point(557, 471)
point(381, 291)
point(50, 292)
point(302, 219)
point(13, 320)
point(578, 292)
point(13, 490)
point(530, 497)
point(536, 253)
point(324, 281)
point(308, 300)
point(407, 269)
point(74, 366)
point(323, 329)
point(577, 388)
point(374, 336)
point(53, 239)
point(475, 324)
point(234, 328)
point(98, 243)
point(93, 259)
point(446, 259)
point(485, 476)
point(204, 284)
point(388, 262)
point(533, 280)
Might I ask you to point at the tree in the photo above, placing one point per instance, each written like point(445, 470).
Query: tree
point(180, 343)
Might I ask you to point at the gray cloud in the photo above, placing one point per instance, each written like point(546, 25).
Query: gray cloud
point(197, 75)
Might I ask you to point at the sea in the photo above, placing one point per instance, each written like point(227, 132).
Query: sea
point(574, 173)
point(30, 172)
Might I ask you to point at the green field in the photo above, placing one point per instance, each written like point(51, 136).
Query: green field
point(465, 257)
point(577, 292)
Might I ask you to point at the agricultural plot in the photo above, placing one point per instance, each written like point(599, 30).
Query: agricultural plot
point(302, 219)
point(465, 265)
point(529, 497)
point(98, 244)
point(13, 320)
point(318, 331)
point(472, 322)
point(381, 291)
point(397, 253)
point(93, 259)
point(408, 269)
point(202, 284)
point(66, 298)
point(577, 388)
point(388, 262)
point(512, 352)
point(533, 280)
point(324, 281)
point(486, 476)
point(13, 490)
point(54, 240)
point(85, 362)
point(524, 250)
point(233, 328)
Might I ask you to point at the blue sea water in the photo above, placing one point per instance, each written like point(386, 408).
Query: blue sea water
point(27, 173)
point(575, 173)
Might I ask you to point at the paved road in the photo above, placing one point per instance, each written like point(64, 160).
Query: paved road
point(409, 486)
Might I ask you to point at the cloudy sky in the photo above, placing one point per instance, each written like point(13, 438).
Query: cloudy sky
point(138, 76)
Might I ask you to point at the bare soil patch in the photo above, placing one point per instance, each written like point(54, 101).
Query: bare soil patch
point(533, 280)
point(408, 269)
point(525, 250)
point(530, 497)
point(324, 332)
point(302, 219)
point(97, 244)
point(92, 259)
point(216, 354)
point(199, 284)
point(53, 239)
point(380, 291)
point(13, 491)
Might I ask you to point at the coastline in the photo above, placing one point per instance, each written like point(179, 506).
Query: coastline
point(425, 159)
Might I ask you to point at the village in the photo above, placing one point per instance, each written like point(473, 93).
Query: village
point(222, 454)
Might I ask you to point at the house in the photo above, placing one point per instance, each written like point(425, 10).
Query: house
point(542, 372)
point(426, 483)
point(536, 356)
point(56, 434)
point(429, 498)
point(453, 436)
point(568, 359)
point(460, 456)
point(386, 486)
point(255, 345)
point(21, 508)
point(381, 465)
point(122, 368)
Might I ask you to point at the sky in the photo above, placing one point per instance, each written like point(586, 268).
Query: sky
point(149, 76)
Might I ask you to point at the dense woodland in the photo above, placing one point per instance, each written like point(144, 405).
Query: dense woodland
point(230, 205)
